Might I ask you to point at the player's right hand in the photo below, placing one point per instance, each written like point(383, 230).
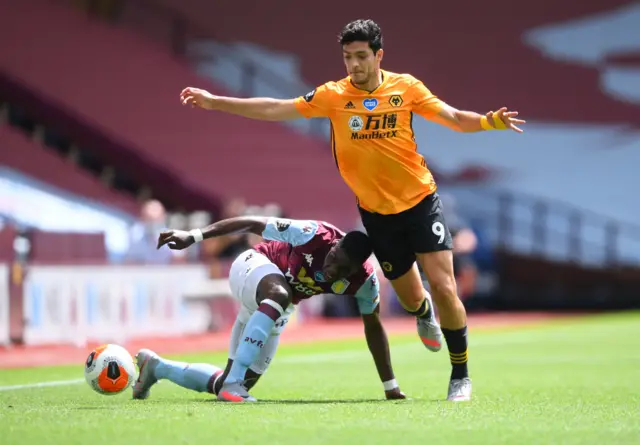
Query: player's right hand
point(175, 239)
point(197, 97)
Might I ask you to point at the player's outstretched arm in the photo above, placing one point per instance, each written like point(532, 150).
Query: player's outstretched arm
point(432, 108)
point(260, 108)
point(181, 239)
point(379, 347)
point(470, 122)
point(293, 231)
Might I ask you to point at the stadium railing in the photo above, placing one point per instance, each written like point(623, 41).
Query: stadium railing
point(550, 229)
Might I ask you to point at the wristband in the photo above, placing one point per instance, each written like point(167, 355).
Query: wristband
point(499, 125)
point(484, 123)
point(390, 384)
point(196, 234)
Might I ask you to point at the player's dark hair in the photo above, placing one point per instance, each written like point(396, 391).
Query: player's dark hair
point(362, 31)
point(357, 246)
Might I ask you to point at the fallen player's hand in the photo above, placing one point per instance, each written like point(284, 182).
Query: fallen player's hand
point(394, 394)
point(508, 119)
point(197, 97)
point(175, 239)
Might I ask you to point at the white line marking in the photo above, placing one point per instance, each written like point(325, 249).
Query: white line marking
point(347, 355)
point(42, 384)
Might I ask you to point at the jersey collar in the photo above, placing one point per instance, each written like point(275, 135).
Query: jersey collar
point(385, 76)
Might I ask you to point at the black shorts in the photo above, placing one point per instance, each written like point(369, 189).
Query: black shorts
point(397, 238)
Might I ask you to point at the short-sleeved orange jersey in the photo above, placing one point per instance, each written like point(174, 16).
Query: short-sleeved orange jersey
point(373, 141)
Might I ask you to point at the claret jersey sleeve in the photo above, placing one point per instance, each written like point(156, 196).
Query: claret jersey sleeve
point(368, 295)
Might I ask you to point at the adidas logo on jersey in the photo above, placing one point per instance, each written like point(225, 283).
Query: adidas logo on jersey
point(349, 106)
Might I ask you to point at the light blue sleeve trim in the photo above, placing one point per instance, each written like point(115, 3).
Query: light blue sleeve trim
point(292, 231)
point(368, 295)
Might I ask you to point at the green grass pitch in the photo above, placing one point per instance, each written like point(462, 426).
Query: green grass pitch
point(563, 382)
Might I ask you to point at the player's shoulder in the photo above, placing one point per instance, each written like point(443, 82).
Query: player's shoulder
point(366, 271)
point(365, 279)
point(335, 88)
point(400, 79)
point(329, 229)
point(368, 268)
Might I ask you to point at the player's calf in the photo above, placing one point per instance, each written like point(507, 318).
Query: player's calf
point(274, 296)
point(200, 377)
point(438, 267)
point(453, 316)
point(428, 328)
point(417, 302)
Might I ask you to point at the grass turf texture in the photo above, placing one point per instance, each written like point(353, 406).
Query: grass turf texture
point(561, 382)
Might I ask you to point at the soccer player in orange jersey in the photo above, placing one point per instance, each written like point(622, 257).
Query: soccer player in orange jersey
point(371, 112)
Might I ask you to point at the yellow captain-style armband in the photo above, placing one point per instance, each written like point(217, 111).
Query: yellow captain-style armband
point(499, 125)
point(484, 123)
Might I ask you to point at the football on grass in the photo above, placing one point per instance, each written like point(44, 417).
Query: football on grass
point(109, 369)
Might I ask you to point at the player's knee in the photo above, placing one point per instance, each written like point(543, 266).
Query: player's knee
point(275, 289)
point(274, 300)
point(279, 295)
point(443, 290)
point(411, 301)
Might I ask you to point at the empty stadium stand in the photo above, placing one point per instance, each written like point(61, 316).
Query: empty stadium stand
point(116, 93)
point(443, 43)
point(20, 153)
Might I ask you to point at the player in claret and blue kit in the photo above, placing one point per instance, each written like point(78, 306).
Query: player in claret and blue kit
point(297, 260)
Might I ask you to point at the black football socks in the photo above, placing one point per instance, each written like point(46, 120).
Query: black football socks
point(458, 353)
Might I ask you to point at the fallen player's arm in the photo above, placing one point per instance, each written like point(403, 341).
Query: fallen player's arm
point(379, 347)
point(294, 232)
point(181, 239)
point(260, 108)
point(470, 122)
point(240, 224)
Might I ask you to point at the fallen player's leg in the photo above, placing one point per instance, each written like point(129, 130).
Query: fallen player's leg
point(258, 367)
point(256, 335)
point(265, 298)
point(200, 377)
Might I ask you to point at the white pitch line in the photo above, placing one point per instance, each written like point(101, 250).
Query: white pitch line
point(42, 384)
point(297, 359)
point(291, 359)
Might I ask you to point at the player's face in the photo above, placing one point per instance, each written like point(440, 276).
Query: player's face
point(361, 63)
point(337, 265)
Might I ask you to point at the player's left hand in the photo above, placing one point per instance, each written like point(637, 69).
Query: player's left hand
point(508, 118)
point(175, 239)
point(394, 394)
